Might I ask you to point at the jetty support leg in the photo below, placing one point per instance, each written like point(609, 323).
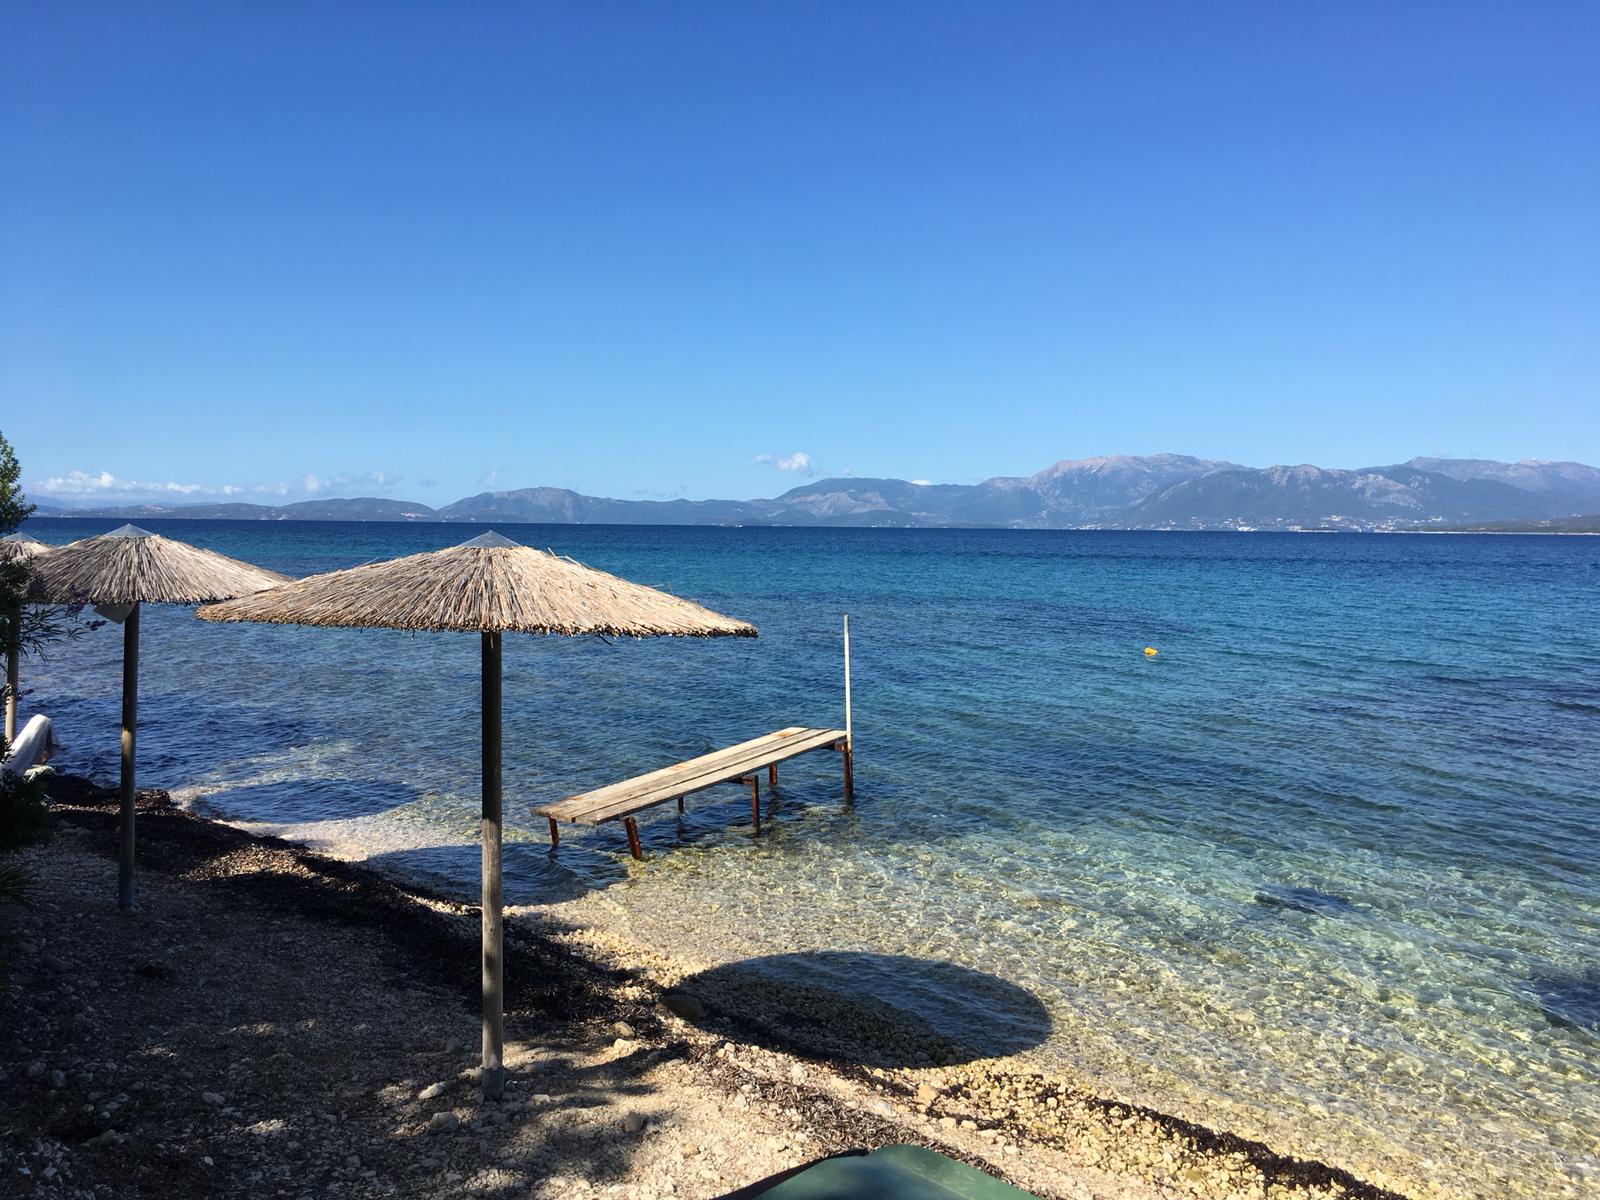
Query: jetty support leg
point(680, 805)
point(125, 790)
point(494, 1073)
point(755, 803)
point(772, 775)
point(632, 827)
point(849, 776)
point(555, 832)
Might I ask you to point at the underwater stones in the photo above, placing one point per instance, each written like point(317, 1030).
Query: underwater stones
point(1570, 1001)
point(1304, 899)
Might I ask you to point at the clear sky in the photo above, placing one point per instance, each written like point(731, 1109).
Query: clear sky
point(705, 249)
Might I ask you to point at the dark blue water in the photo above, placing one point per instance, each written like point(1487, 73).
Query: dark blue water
point(1323, 870)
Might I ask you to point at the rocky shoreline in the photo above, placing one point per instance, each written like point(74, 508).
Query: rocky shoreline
point(273, 1022)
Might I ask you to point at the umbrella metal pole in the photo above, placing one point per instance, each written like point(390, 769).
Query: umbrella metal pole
point(494, 1074)
point(13, 661)
point(130, 721)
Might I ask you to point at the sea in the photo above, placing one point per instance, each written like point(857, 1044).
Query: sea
point(1324, 870)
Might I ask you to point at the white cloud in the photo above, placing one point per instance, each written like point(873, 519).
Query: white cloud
point(799, 462)
point(368, 481)
point(923, 482)
point(104, 483)
point(104, 487)
point(490, 478)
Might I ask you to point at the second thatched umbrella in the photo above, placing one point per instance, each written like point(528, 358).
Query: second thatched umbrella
point(489, 586)
point(16, 547)
point(117, 572)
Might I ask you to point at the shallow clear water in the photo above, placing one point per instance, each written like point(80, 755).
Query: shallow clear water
point(1324, 871)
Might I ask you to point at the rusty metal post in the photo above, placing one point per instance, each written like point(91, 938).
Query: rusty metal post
point(755, 803)
point(555, 832)
point(680, 804)
point(849, 780)
point(772, 775)
point(632, 827)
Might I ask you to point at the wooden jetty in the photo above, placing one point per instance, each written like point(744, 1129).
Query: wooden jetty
point(733, 764)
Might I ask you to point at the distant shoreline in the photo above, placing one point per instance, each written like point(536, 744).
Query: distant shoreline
point(1164, 492)
point(509, 522)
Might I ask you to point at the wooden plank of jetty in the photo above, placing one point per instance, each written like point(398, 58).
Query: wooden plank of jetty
point(742, 763)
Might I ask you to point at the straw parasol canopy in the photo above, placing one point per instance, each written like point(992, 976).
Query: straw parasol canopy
point(489, 586)
point(117, 572)
point(16, 548)
point(132, 566)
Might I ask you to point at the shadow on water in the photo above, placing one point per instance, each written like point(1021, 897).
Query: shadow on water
point(877, 1010)
point(1570, 1001)
point(290, 801)
point(530, 874)
point(1304, 900)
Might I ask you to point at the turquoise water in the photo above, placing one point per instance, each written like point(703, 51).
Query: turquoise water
point(1324, 871)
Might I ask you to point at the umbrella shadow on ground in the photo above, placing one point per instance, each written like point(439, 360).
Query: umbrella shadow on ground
point(876, 1010)
point(574, 1127)
point(530, 873)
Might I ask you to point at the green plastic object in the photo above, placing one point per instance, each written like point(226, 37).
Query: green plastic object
point(892, 1173)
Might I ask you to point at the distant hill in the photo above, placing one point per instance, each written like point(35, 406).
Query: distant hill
point(1101, 489)
point(1307, 497)
point(1568, 485)
point(1157, 491)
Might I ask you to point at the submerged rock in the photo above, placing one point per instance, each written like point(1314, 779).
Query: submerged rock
point(1570, 1001)
point(1306, 900)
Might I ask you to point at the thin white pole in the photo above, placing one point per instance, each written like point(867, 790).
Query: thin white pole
point(847, 677)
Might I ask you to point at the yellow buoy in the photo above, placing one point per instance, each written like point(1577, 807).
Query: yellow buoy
point(1151, 652)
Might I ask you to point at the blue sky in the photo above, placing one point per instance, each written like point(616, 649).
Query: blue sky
point(711, 249)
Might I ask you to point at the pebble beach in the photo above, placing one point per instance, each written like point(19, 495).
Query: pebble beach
point(275, 1023)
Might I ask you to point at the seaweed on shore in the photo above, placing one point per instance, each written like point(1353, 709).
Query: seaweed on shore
point(416, 922)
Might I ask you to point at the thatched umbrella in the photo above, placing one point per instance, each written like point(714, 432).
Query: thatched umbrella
point(16, 547)
point(117, 572)
point(489, 586)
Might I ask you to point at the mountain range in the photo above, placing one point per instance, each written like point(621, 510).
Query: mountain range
point(1158, 491)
